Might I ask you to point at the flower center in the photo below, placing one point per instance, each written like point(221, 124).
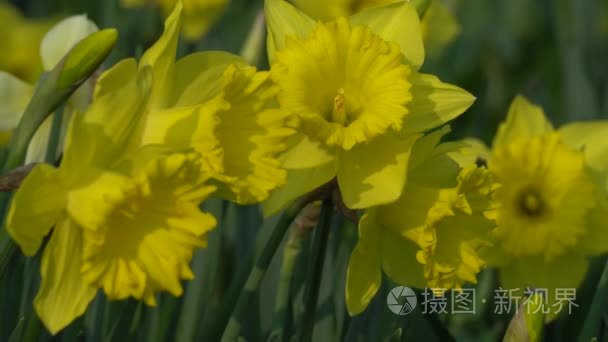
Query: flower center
point(338, 114)
point(544, 196)
point(531, 203)
point(145, 242)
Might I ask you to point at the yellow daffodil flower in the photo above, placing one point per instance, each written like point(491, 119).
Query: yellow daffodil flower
point(440, 28)
point(223, 108)
point(15, 94)
point(439, 25)
point(124, 217)
point(20, 42)
point(357, 99)
point(198, 15)
point(552, 203)
point(432, 234)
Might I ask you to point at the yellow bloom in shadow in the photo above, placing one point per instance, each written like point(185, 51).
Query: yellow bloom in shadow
point(551, 203)
point(219, 106)
point(141, 240)
point(198, 16)
point(20, 43)
point(357, 100)
point(540, 175)
point(431, 236)
point(130, 234)
point(224, 109)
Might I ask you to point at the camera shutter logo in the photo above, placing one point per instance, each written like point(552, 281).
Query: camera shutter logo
point(401, 300)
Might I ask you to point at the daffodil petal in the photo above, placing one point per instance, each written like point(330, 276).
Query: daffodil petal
point(595, 239)
point(198, 17)
point(176, 126)
point(524, 120)
point(408, 215)
point(438, 171)
point(86, 145)
point(112, 124)
point(440, 27)
point(14, 97)
point(322, 9)
point(36, 150)
point(399, 260)
point(374, 173)
point(459, 238)
point(591, 137)
point(437, 165)
point(90, 203)
point(434, 103)
point(116, 77)
point(161, 58)
point(398, 23)
point(198, 76)
point(470, 151)
point(284, 20)
point(299, 182)
point(535, 272)
point(63, 295)
point(62, 37)
point(303, 153)
point(36, 207)
point(363, 276)
point(423, 148)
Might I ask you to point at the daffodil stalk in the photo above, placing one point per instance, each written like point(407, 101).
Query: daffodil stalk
point(54, 137)
point(314, 276)
point(260, 266)
point(591, 328)
point(253, 48)
point(7, 247)
point(292, 253)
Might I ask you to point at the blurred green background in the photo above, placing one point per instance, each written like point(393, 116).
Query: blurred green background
point(553, 51)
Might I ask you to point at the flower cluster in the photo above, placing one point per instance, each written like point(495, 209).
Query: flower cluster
point(343, 106)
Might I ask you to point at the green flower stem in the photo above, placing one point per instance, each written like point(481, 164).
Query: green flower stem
point(291, 252)
point(255, 42)
point(319, 246)
point(592, 325)
point(258, 271)
point(441, 332)
point(54, 137)
point(206, 266)
point(33, 328)
point(7, 250)
point(43, 103)
point(163, 318)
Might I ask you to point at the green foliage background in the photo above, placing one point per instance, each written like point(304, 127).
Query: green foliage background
point(553, 51)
